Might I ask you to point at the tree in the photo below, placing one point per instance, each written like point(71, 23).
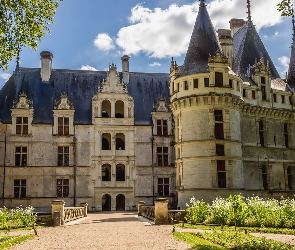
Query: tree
point(23, 23)
point(286, 7)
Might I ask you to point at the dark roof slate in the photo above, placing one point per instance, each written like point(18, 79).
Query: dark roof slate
point(291, 72)
point(248, 47)
point(202, 43)
point(80, 86)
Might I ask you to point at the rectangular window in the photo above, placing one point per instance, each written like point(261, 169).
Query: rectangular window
point(221, 174)
point(253, 94)
point(20, 188)
point(244, 93)
point(63, 126)
point(163, 186)
point(62, 187)
point(21, 156)
point(185, 85)
point(218, 79)
point(290, 100)
point(220, 149)
point(63, 156)
point(162, 127)
point(230, 83)
point(286, 135)
point(196, 83)
point(206, 82)
point(283, 99)
point(219, 134)
point(263, 92)
point(21, 125)
point(178, 87)
point(290, 177)
point(262, 80)
point(264, 177)
point(275, 97)
point(162, 156)
point(261, 133)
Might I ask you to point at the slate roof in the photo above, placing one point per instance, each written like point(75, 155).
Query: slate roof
point(291, 71)
point(203, 42)
point(80, 87)
point(247, 47)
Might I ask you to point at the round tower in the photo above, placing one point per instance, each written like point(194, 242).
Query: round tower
point(205, 100)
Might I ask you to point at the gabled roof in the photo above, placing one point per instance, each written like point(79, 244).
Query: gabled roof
point(248, 47)
point(203, 42)
point(80, 86)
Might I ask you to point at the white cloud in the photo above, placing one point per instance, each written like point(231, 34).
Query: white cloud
point(104, 42)
point(166, 32)
point(155, 64)
point(284, 60)
point(5, 76)
point(277, 34)
point(88, 67)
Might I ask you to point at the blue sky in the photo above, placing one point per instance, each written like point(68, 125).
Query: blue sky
point(90, 34)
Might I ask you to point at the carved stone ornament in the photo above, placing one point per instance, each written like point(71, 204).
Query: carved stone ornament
point(112, 83)
point(218, 58)
point(22, 102)
point(161, 105)
point(63, 103)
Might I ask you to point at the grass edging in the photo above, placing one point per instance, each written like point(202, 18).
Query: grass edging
point(197, 242)
point(9, 241)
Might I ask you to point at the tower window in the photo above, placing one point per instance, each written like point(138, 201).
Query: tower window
point(206, 82)
point(264, 177)
point(253, 94)
point(275, 97)
point(185, 85)
point(283, 99)
point(244, 93)
point(196, 83)
point(230, 83)
point(218, 79)
point(290, 177)
point(219, 134)
point(263, 92)
point(221, 174)
point(286, 135)
point(261, 133)
point(220, 149)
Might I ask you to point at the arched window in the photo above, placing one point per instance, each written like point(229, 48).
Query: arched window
point(120, 172)
point(120, 141)
point(119, 109)
point(106, 142)
point(106, 172)
point(106, 109)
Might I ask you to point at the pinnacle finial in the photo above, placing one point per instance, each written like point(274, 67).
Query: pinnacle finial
point(249, 10)
point(202, 3)
point(17, 60)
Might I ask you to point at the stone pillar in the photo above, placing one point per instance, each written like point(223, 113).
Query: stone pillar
point(58, 205)
point(85, 205)
point(140, 204)
point(161, 211)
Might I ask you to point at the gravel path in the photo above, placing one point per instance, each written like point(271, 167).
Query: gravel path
point(105, 231)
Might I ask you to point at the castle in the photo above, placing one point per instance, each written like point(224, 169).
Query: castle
point(220, 124)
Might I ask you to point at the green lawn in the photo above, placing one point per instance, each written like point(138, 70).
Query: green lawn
point(9, 241)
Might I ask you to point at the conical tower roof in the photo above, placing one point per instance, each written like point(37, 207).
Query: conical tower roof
point(248, 47)
point(203, 42)
point(291, 71)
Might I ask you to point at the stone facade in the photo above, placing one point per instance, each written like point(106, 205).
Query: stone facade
point(112, 139)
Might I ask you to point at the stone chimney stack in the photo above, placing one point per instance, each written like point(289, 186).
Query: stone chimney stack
point(46, 65)
point(235, 25)
point(226, 42)
point(125, 68)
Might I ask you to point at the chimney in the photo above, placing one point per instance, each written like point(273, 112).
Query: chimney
point(226, 42)
point(235, 25)
point(125, 68)
point(46, 65)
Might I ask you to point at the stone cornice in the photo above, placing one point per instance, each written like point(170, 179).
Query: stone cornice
point(267, 112)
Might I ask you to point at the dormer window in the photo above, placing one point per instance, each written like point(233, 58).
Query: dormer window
point(63, 126)
point(218, 79)
point(162, 127)
point(21, 126)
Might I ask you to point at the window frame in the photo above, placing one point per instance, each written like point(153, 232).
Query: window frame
point(65, 188)
point(63, 125)
point(20, 190)
point(163, 156)
point(221, 173)
point(21, 126)
point(21, 156)
point(162, 127)
point(163, 186)
point(63, 156)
